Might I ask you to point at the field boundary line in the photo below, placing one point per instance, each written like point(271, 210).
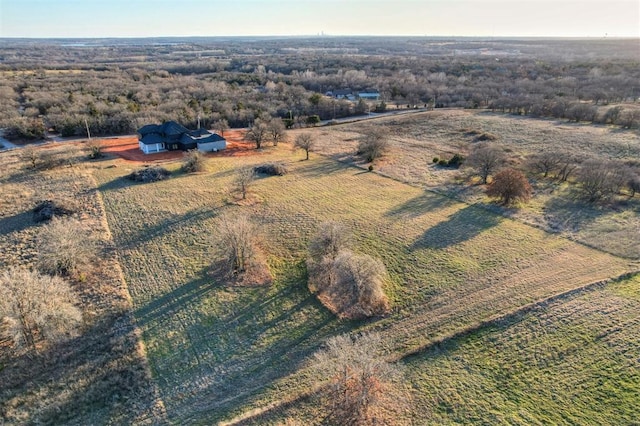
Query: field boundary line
point(158, 409)
point(522, 310)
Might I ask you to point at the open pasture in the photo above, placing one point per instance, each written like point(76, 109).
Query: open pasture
point(216, 351)
point(417, 138)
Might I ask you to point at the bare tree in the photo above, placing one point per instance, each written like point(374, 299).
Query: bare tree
point(328, 241)
point(243, 180)
point(362, 389)
point(36, 307)
point(194, 161)
point(567, 164)
point(258, 133)
point(306, 142)
point(510, 185)
point(277, 131)
point(30, 155)
point(545, 162)
point(349, 284)
point(634, 185)
point(600, 180)
point(485, 159)
point(221, 126)
point(64, 248)
point(236, 242)
point(373, 145)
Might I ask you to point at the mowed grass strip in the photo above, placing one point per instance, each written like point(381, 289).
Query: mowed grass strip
point(576, 361)
point(216, 350)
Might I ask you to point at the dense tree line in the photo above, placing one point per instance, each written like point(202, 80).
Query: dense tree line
point(115, 86)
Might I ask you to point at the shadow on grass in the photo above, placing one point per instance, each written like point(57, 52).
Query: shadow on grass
point(461, 226)
point(231, 358)
point(571, 214)
point(320, 168)
point(16, 223)
point(97, 377)
point(166, 226)
point(424, 203)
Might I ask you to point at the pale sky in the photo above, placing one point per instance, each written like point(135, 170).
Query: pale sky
point(149, 18)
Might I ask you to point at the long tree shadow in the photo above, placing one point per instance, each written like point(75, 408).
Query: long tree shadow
point(16, 223)
point(167, 225)
point(320, 168)
point(103, 377)
point(461, 226)
point(424, 203)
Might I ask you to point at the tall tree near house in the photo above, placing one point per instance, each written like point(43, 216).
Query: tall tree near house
point(258, 133)
point(277, 131)
point(306, 142)
point(221, 126)
point(485, 159)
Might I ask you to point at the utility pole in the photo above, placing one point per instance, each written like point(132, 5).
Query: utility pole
point(86, 124)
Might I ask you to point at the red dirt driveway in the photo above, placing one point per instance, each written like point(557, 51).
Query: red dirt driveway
point(127, 147)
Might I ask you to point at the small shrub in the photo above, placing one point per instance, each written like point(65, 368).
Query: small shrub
point(272, 169)
point(634, 185)
point(485, 137)
point(443, 163)
point(47, 209)
point(95, 150)
point(149, 174)
point(456, 161)
point(193, 161)
point(435, 160)
point(370, 168)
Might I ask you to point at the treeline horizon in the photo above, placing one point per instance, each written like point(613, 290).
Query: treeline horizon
point(117, 87)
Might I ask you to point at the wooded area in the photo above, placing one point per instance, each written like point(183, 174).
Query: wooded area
point(114, 86)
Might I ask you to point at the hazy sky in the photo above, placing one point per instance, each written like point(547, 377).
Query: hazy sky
point(144, 18)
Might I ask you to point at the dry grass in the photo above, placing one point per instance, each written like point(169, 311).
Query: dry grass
point(216, 351)
point(101, 376)
point(416, 139)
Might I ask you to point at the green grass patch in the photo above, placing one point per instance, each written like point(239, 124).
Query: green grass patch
point(216, 350)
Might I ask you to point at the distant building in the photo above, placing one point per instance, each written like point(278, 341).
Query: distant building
point(353, 96)
point(171, 136)
point(373, 96)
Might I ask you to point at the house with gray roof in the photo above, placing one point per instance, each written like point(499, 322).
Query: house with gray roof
point(171, 136)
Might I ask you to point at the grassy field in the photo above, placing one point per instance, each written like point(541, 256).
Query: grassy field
point(100, 377)
point(416, 139)
point(216, 351)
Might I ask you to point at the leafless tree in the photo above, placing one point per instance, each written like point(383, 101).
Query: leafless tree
point(362, 387)
point(545, 162)
point(64, 248)
point(600, 180)
point(510, 185)
point(306, 142)
point(485, 159)
point(236, 242)
point(277, 131)
point(258, 133)
point(374, 144)
point(36, 307)
point(329, 240)
point(221, 126)
point(349, 284)
point(243, 180)
point(30, 155)
point(634, 185)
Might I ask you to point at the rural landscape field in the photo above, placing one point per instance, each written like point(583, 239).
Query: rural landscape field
point(496, 310)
